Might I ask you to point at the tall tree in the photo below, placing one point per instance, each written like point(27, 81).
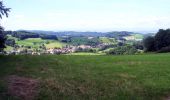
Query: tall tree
point(2, 39)
point(160, 42)
point(3, 11)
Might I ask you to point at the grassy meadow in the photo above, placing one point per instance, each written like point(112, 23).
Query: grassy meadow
point(35, 43)
point(91, 77)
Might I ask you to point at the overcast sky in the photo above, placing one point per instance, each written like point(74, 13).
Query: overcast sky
point(88, 15)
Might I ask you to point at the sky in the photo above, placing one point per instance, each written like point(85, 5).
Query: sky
point(88, 15)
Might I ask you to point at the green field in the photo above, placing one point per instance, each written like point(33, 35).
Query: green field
point(138, 36)
point(36, 43)
point(97, 77)
point(107, 40)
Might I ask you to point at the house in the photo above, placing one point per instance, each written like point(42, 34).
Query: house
point(50, 51)
point(84, 46)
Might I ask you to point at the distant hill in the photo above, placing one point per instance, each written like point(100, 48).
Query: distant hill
point(116, 34)
point(93, 34)
point(69, 33)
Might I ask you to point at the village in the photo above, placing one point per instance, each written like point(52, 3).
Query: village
point(57, 51)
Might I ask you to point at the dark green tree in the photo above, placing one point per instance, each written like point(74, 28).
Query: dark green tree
point(149, 44)
point(3, 11)
point(162, 39)
point(159, 43)
point(2, 39)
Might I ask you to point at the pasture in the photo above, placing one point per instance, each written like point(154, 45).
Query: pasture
point(87, 77)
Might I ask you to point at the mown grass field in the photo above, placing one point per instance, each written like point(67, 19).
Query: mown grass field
point(84, 77)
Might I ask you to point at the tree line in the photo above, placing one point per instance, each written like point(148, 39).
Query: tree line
point(25, 35)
